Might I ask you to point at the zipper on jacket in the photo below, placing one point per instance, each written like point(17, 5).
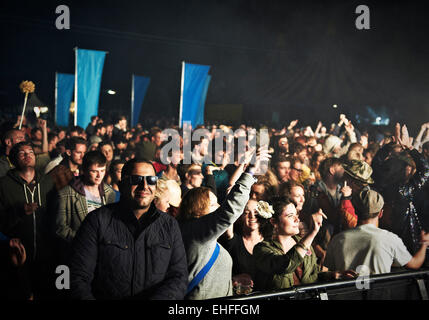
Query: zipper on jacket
point(33, 214)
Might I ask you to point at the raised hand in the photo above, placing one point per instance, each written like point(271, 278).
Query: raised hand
point(346, 190)
point(260, 165)
point(17, 252)
point(293, 124)
point(317, 220)
point(402, 137)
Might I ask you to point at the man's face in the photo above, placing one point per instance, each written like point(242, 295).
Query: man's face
point(26, 157)
point(101, 131)
point(107, 150)
point(77, 154)
point(17, 137)
point(303, 156)
point(295, 171)
point(195, 176)
point(140, 196)
point(120, 147)
point(37, 135)
point(123, 124)
point(95, 174)
point(74, 134)
point(283, 170)
point(156, 139)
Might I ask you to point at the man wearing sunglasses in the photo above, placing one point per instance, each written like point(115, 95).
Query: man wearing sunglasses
point(129, 249)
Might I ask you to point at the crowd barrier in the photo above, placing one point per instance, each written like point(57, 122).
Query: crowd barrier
point(407, 285)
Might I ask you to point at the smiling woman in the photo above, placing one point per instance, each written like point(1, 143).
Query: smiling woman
point(286, 259)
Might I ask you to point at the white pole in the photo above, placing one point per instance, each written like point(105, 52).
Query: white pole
point(75, 87)
point(132, 100)
point(56, 96)
point(23, 110)
point(181, 94)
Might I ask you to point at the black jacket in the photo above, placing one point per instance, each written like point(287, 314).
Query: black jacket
point(111, 261)
point(33, 230)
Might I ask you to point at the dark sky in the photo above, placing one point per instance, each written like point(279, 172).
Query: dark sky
point(296, 58)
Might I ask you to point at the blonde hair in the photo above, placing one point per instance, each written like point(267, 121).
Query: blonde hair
point(175, 193)
point(161, 187)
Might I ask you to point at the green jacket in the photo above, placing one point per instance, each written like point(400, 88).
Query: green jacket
point(72, 207)
point(275, 268)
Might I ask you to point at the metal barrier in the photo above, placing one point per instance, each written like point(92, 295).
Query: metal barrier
point(391, 286)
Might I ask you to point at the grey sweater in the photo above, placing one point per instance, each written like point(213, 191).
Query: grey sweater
point(200, 236)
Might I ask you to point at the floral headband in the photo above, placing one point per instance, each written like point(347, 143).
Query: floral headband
point(264, 209)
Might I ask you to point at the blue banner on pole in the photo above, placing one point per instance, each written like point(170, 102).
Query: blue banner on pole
point(64, 94)
point(194, 83)
point(89, 69)
point(199, 119)
point(139, 87)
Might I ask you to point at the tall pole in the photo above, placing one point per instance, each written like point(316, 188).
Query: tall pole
point(181, 94)
point(132, 100)
point(75, 87)
point(56, 96)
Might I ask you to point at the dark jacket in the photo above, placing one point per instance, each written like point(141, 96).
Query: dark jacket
point(5, 165)
point(61, 174)
point(401, 215)
point(33, 230)
point(108, 262)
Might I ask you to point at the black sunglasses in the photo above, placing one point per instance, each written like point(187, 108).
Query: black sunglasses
point(136, 180)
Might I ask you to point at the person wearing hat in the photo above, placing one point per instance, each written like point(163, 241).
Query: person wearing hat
point(370, 246)
point(357, 177)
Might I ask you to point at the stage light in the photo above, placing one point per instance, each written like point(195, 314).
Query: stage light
point(111, 92)
point(334, 106)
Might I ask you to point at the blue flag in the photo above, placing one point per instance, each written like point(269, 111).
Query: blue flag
point(63, 97)
point(194, 82)
point(139, 88)
point(89, 69)
point(199, 119)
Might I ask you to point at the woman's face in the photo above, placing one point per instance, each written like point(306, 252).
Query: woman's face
point(248, 218)
point(288, 221)
point(297, 195)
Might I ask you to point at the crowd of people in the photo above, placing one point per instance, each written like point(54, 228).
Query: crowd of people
point(131, 221)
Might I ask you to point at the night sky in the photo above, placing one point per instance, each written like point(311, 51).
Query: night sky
point(295, 58)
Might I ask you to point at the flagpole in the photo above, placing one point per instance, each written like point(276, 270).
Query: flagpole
point(132, 100)
point(181, 93)
point(75, 87)
point(56, 96)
